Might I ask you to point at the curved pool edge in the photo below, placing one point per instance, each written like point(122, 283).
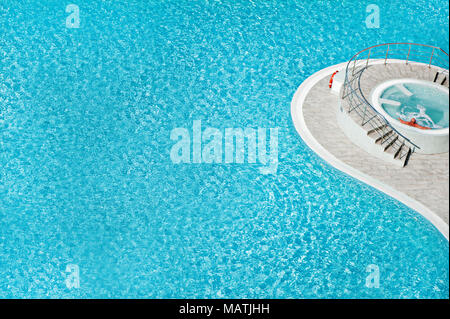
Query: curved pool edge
point(308, 138)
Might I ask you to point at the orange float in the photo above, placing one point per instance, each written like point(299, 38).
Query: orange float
point(331, 79)
point(413, 123)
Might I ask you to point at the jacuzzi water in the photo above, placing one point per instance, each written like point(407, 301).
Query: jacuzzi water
point(428, 104)
point(86, 176)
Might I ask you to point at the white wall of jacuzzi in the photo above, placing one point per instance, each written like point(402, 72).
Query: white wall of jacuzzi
point(302, 129)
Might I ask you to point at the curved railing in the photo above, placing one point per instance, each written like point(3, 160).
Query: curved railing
point(409, 52)
point(357, 102)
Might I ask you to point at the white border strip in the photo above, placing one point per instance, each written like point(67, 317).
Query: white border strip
point(302, 129)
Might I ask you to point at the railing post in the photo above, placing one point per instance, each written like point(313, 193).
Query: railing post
point(431, 58)
point(345, 85)
point(409, 51)
point(387, 52)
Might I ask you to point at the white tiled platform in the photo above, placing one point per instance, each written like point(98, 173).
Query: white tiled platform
point(425, 179)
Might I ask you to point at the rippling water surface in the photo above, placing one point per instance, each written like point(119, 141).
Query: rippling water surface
point(427, 104)
point(86, 176)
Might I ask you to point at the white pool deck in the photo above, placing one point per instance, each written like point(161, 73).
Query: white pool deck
point(422, 185)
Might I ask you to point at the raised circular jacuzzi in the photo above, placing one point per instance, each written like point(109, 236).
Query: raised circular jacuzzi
point(417, 109)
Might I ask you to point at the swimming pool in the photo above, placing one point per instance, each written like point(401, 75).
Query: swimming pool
point(86, 176)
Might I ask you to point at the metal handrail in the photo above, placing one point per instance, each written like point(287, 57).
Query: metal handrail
point(381, 117)
point(433, 55)
point(401, 43)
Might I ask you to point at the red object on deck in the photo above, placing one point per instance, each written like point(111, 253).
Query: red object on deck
point(331, 79)
point(413, 123)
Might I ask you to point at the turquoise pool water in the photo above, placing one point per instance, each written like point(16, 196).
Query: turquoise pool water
point(427, 104)
point(86, 176)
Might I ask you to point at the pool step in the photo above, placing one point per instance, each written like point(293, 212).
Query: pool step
point(383, 137)
point(403, 154)
point(397, 152)
point(408, 155)
point(436, 78)
point(378, 128)
point(389, 142)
